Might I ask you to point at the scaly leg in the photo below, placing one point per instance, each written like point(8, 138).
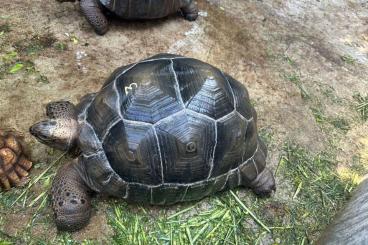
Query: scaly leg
point(93, 12)
point(71, 199)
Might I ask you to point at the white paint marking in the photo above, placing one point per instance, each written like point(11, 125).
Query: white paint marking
point(212, 162)
point(177, 86)
point(159, 151)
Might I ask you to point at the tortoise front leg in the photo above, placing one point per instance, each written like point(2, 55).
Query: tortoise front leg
point(93, 12)
point(190, 11)
point(71, 199)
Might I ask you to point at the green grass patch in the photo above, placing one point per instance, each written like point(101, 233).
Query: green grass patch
point(340, 123)
point(225, 220)
point(337, 122)
point(288, 60)
point(61, 46)
point(318, 114)
point(13, 62)
point(317, 193)
point(348, 59)
point(4, 28)
point(362, 105)
point(295, 79)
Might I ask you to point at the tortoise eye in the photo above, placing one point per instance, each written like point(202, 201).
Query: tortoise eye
point(191, 147)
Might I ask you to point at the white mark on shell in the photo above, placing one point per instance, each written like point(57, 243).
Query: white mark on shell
point(131, 87)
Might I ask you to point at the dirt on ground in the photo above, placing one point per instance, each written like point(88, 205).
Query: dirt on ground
point(303, 63)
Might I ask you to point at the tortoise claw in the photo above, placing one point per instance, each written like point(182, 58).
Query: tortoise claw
point(20, 171)
point(5, 182)
point(25, 163)
point(13, 144)
point(13, 178)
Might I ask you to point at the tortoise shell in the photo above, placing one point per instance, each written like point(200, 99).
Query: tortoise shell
point(168, 129)
point(143, 9)
point(13, 163)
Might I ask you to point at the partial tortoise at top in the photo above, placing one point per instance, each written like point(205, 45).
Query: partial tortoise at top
point(133, 9)
point(14, 165)
point(164, 130)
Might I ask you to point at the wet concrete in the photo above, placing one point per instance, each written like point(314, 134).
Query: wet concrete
point(264, 44)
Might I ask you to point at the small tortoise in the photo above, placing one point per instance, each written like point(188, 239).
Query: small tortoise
point(133, 9)
point(164, 130)
point(14, 165)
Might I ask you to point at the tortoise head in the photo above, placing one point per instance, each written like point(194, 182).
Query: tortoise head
point(60, 133)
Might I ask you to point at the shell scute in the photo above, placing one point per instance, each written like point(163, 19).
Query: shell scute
point(133, 152)
point(181, 163)
point(148, 92)
point(203, 88)
point(230, 148)
point(103, 110)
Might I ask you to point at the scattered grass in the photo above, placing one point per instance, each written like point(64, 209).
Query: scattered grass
point(35, 44)
point(295, 79)
point(337, 122)
point(60, 46)
point(288, 60)
point(14, 62)
point(4, 28)
point(318, 114)
point(340, 123)
point(362, 105)
point(36, 179)
point(329, 92)
point(348, 59)
point(225, 220)
point(266, 135)
point(318, 192)
point(16, 67)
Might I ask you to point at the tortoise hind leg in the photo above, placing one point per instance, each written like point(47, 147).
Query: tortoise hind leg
point(264, 184)
point(190, 11)
point(71, 200)
point(93, 12)
point(255, 175)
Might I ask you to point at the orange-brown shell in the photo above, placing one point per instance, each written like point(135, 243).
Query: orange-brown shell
point(14, 165)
